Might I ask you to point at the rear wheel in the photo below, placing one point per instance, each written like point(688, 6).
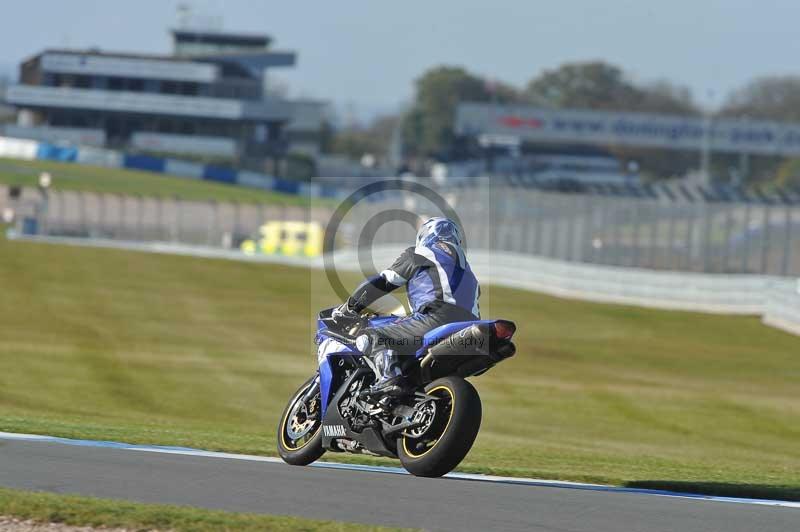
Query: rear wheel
point(299, 434)
point(450, 424)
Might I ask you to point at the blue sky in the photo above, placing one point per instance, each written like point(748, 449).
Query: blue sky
point(364, 55)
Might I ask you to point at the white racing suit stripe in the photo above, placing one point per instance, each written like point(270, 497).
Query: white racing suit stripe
point(447, 294)
point(394, 277)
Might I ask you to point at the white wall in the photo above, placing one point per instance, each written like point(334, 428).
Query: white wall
point(776, 299)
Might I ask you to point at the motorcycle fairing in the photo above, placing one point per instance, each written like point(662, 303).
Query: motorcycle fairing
point(329, 348)
point(368, 437)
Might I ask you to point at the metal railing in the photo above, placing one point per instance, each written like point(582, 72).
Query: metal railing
point(640, 233)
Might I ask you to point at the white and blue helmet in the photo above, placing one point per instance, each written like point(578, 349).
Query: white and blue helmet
point(439, 230)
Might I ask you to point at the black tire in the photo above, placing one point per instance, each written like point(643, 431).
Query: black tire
point(311, 449)
point(456, 427)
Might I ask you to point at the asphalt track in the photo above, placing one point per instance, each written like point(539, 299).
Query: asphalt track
point(366, 494)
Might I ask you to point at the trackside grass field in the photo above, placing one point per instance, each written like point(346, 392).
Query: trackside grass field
point(87, 511)
point(156, 349)
point(72, 176)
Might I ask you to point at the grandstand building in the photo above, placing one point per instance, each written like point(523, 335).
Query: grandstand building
point(208, 97)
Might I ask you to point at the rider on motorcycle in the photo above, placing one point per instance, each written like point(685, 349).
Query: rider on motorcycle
point(441, 289)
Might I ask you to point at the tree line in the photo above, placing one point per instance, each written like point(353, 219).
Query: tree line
point(427, 127)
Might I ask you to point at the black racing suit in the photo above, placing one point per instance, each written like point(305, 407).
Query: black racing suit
point(441, 289)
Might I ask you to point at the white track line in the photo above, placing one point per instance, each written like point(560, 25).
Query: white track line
point(185, 451)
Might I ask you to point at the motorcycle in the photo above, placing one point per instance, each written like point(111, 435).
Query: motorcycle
point(430, 429)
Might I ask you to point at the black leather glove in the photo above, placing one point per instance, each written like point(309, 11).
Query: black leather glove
point(343, 313)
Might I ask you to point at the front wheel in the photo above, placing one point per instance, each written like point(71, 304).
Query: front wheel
point(450, 425)
point(299, 434)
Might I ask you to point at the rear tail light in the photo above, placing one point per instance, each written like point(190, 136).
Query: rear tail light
point(504, 329)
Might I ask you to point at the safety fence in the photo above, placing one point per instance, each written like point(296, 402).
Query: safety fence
point(726, 238)
point(759, 238)
point(143, 218)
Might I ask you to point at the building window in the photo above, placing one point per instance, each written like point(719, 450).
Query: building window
point(169, 87)
point(188, 88)
point(83, 82)
point(136, 85)
point(187, 127)
point(100, 82)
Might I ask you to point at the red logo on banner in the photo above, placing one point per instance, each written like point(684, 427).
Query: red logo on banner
point(515, 122)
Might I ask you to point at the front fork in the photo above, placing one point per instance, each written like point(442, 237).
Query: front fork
point(311, 392)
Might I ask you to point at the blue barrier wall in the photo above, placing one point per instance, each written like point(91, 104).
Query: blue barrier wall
point(181, 169)
point(56, 153)
point(216, 173)
point(144, 162)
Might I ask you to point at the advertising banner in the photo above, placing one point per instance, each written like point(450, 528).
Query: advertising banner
point(626, 128)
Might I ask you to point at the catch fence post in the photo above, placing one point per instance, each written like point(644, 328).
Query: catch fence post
point(555, 226)
point(726, 248)
point(690, 238)
point(787, 241)
point(101, 207)
point(597, 233)
point(82, 208)
point(122, 216)
point(59, 200)
point(139, 217)
point(237, 218)
point(708, 220)
point(670, 247)
point(539, 226)
point(178, 220)
point(766, 238)
point(635, 223)
point(572, 213)
point(654, 208)
point(746, 239)
point(618, 260)
point(212, 221)
point(160, 217)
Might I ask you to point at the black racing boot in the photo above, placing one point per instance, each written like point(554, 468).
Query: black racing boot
point(392, 382)
point(391, 387)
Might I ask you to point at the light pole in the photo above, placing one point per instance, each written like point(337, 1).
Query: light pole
point(45, 180)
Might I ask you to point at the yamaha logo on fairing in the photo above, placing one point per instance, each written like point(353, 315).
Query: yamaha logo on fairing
point(333, 430)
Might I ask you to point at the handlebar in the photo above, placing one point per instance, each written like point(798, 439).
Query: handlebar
point(340, 329)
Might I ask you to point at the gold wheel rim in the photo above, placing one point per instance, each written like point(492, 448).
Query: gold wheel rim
point(447, 425)
point(286, 418)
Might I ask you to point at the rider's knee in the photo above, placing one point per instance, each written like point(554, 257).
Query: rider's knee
point(364, 343)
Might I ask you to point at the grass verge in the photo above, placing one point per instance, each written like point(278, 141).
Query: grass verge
point(87, 178)
point(88, 511)
point(156, 349)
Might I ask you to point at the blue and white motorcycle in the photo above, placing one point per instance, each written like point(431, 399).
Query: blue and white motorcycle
point(430, 429)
